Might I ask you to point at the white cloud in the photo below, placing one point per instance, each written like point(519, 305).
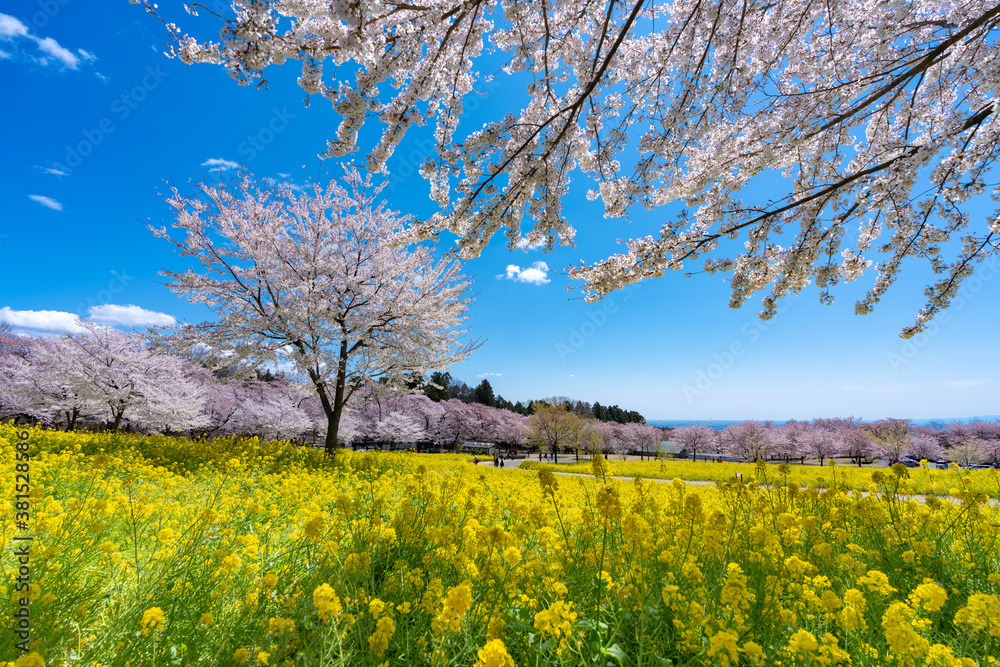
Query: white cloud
point(41, 321)
point(46, 201)
point(525, 245)
point(59, 322)
point(483, 375)
point(104, 79)
point(881, 390)
point(10, 27)
point(4, 55)
point(219, 164)
point(132, 316)
point(536, 274)
point(965, 383)
point(63, 55)
point(571, 375)
point(283, 175)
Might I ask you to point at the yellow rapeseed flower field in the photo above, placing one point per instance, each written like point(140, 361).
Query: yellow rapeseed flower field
point(150, 550)
point(923, 480)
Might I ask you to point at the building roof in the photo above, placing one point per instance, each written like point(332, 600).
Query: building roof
point(671, 447)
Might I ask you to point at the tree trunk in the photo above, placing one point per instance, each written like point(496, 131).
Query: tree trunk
point(118, 414)
point(71, 417)
point(333, 410)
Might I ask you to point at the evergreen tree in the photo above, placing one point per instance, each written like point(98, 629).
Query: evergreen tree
point(484, 394)
point(443, 380)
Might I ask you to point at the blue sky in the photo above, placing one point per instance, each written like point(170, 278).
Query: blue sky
point(97, 122)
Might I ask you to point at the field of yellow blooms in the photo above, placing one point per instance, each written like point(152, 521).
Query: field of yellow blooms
point(160, 551)
point(922, 480)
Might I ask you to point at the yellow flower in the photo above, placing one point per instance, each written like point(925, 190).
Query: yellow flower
point(980, 614)
point(877, 581)
point(379, 641)
point(326, 602)
point(30, 660)
point(599, 467)
point(557, 619)
point(803, 641)
point(754, 652)
point(548, 482)
point(240, 656)
point(609, 504)
point(376, 607)
point(152, 618)
point(930, 596)
point(899, 632)
point(494, 654)
point(722, 647)
point(852, 616)
point(279, 626)
point(262, 657)
point(454, 606)
point(512, 555)
point(206, 619)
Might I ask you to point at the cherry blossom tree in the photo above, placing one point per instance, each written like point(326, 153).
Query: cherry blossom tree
point(696, 438)
point(788, 441)
point(879, 116)
point(511, 428)
point(457, 424)
point(822, 443)
point(748, 440)
point(270, 410)
point(612, 436)
point(314, 279)
point(968, 452)
point(891, 438)
point(991, 451)
point(44, 380)
point(398, 427)
point(856, 443)
point(643, 438)
point(117, 374)
point(924, 446)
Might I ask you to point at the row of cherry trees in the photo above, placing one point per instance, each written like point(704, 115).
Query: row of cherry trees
point(110, 377)
point(889, 439)
point(115, 379)
point(103, 376)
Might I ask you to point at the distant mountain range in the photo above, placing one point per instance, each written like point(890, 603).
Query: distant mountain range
point(719, 424)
